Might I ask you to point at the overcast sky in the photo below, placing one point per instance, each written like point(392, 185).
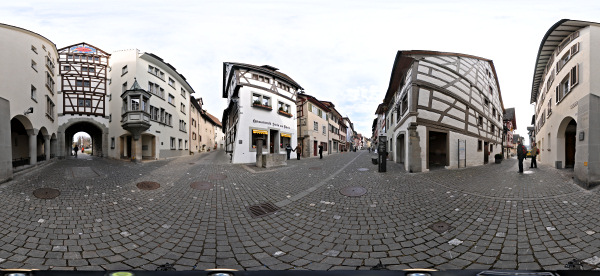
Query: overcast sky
point(339, 51)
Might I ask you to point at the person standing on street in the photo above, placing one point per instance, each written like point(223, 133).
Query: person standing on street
point(298, 151)
point(521, 154)
point(534, 152)
point(76, 149)
point(320, 151)
point(288, 149)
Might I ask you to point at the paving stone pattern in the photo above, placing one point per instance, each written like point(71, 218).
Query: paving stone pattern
point(101, 221)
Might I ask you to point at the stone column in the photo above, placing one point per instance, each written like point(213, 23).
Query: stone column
point(414, 149)
point(136, 150)
point(259, 149)
point(47, 146)
point(32, 146)
point(6, 170)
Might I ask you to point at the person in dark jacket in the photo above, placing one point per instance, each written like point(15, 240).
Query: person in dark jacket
point(521, 154)
point(298, 151)
point(288, 149)
point(75, 149)
point(320, 151)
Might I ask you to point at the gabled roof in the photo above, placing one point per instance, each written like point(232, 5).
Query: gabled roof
point(84, 44)
point(553, 37)
point(314, 100)
point(195, 103)
point(404, 60)
point(213, 119)
point(509, 115)
point(174, 72)
point(267, 69)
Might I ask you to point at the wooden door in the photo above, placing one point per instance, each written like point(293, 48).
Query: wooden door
point(316, 147)
point(569, 149)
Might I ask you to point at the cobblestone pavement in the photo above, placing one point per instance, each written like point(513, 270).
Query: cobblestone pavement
point(497, 218)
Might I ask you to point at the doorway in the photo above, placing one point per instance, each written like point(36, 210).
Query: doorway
point(315, 146)
point(438, 150)
point(486, 152)
point(128, 139)
point(400, 149)
point(274, 141)
point(570, 141)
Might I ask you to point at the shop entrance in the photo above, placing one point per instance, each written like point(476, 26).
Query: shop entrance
point(570, 134)
point(316, 148)
point(273, 141)
point(438, 149)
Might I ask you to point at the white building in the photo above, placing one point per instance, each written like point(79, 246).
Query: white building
point(433, 101)
point(149, 121)
point(261, 105)
point(566, 94)
point(28, 97)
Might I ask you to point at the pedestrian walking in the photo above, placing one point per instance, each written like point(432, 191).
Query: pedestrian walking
point(298, 151)
point(320, 151)
point(369, 149)
point(534, 152)
point(288, 149)
point(521, 154)
point(76, 149)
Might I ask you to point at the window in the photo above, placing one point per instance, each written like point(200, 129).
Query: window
point(50, 64)
point(259, 134)
point(124, 87)
point(404, 103)
point(33, 93)
point(124, 70)
point(182, 108)
point(163, 114)
point(491, 147)
point(185, 142)
point(324, 130)
point(50, 82)
point(34, 65)
point(183, 93)
point(110, 118)
point(261, 78)
point(491, 90)
point(150, 69)
point(480, 121)
point(49, 107)
point(316, 126)
point(266, 101)
point(171, 82)
point(182, 126)
point(486, 102)
point(171, 99)
point(112, 142)
point(66, 68)
point(194, 136)
point(567, 83)
point(283, 107)
point(494, 112)
point(283, 86)
point(172, 143)
point(154, 113)
point(84, 102)
point(549, 107)
point(34, 49)
point(492, 128)
point(260, 100)
point(479, 145)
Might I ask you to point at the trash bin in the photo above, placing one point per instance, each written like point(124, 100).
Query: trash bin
point(374, 160)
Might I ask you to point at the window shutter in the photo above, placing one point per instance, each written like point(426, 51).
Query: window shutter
point(575, 75)
point(557, 92)
point(574, 48)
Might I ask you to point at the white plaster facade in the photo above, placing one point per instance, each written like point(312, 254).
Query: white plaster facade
point(434, 100)
point(168, 106)
point(28, 79)
point(567, 99)
point(248, 114)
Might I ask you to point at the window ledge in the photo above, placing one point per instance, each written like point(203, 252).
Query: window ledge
point(265, 107)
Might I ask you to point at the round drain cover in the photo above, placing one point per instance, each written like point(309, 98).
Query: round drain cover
point(363, 169)
point(46, 193)
point(315, 168)
point(147, 185)
point(353, 191)
point(201, 185)
point(218, 176)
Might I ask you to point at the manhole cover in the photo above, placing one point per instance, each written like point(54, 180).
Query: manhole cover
point(363, 169)
point(315, 168)
point(527, 172)
point(201, 185)
point(46, 193)
point(262, 209)
point(148, 185)
point(353, 191)
point(218, 176)
point(440, 227)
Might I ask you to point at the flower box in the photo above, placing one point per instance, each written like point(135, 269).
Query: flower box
point(281, 112)
point(265, 107)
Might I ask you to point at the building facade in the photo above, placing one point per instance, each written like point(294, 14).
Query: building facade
point(567, 99)
point(510, 125)
point(312, 125)
point(28, 97)
point(195, 117)
point(261, 105)
point(442, 110)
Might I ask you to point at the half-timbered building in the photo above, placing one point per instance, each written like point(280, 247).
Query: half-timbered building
point(83, 70)
point(567, 99)
point(261, 105)
point(442, 110)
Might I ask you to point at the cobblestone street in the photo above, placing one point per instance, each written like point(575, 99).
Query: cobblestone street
point(489, 216)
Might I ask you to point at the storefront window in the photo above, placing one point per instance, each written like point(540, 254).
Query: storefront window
point(258, 134)
point(285, 139)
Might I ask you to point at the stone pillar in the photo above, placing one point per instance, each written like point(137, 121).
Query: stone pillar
point(259, 149)
point(32, 146)
point(61, 151)
point(414, 149)
point(47, 146)
point(136, 150)
point(5, 142)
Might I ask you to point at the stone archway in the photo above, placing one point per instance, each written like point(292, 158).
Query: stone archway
point(565, 143)
point(401, 149)
point(97, 131)
point(23, 139)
